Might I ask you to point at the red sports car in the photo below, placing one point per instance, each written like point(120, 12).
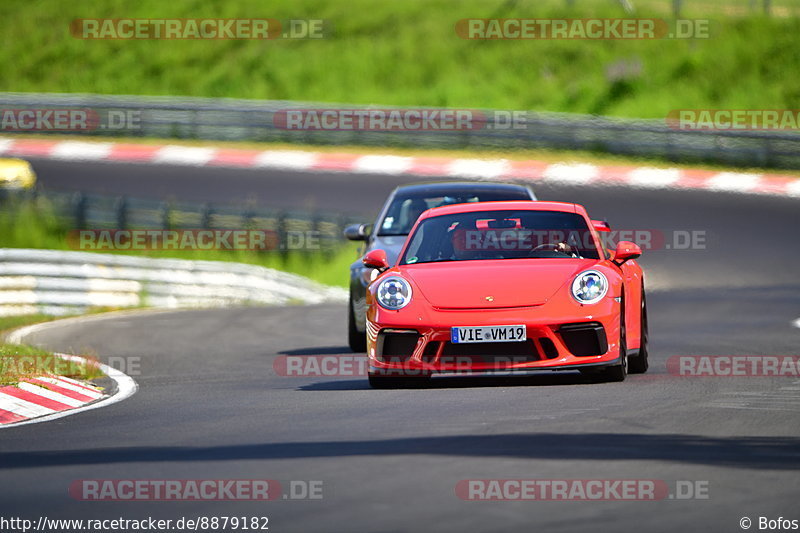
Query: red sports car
point(500, 286)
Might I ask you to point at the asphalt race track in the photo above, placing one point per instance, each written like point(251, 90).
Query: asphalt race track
point(211, 406)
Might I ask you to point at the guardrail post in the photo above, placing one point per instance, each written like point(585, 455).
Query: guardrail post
point(770, 154)
point(79, 201)
point(122, 212)
point(316, 235)
point(206, 216)
point(282, 235)
point(166, 222)
point(247, 218)
point(247, 222)
point(195, 126)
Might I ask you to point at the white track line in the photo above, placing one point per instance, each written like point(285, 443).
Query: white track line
point(81, 150)
point(733, 182)
point(656, 178)
point(5, 145)
point(478, 168)
point(16, 336)
point(383, 164)
point(292, 159)
point(184, 155)
point(571, 173)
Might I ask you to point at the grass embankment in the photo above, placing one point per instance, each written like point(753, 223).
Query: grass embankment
point(407, 53)
point(18, 361)
point(34, 225)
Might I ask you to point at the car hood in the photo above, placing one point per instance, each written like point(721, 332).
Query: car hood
point(493, 284)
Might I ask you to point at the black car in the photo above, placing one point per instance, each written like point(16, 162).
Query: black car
point(393, 225)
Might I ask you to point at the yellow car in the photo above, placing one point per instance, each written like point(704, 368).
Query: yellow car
point(16, 174)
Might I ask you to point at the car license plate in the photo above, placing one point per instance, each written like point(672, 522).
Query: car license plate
point(467, 334)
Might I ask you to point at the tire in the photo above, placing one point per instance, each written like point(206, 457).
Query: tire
point(617, 373)
point(640, 363)
point(355, 339)
point(394, 382)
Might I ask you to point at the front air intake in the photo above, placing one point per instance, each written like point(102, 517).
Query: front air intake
point(396, 345)
point(584, 339)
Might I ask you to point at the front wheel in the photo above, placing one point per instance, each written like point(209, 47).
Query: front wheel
point(640, 363)
point(356, 339)
point(618, 372)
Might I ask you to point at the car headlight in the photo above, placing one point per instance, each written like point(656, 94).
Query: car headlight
point(589, 287)
point(393, 293)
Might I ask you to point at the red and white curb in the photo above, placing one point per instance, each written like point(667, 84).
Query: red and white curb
point(44, 395)
point(45, 398)
point(299, 160)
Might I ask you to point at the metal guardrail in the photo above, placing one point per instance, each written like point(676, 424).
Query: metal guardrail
point(62, 282)
point(254, 120)
point(293, 230)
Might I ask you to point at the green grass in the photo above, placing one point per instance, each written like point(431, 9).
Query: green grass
point(18, 361)
point(8, 323)
point(21, 360)
point(34, 225)
point(12, 322)
point(407, 53)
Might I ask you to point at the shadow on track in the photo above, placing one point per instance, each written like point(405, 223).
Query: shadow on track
point(323, 350)
point(531, 379)
point(552, 379)
point(778, 453)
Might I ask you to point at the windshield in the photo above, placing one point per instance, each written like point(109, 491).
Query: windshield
point(406, 208)
point(517, 234)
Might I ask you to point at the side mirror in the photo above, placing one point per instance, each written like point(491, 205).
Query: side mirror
point(626, 250)
point(376, 259)
point(357, 232)
point(601, 225)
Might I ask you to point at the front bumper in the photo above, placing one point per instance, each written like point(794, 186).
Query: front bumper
point(419, 341)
